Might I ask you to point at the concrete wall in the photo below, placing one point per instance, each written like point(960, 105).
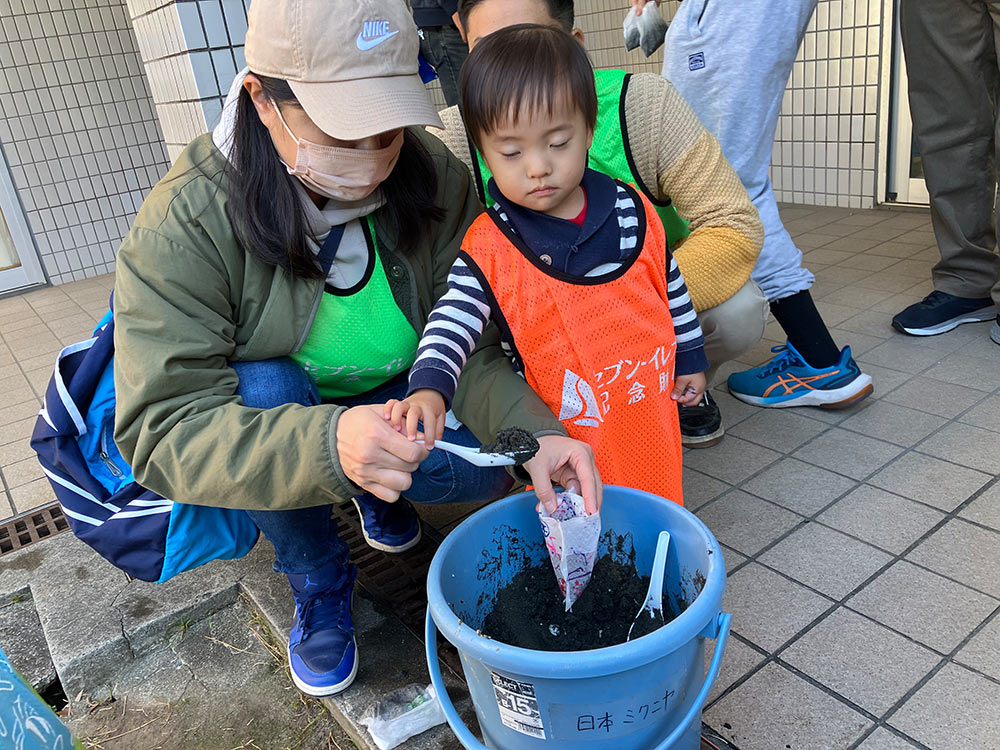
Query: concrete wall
point(78, 130)
point(192, 49)
point(826, 144)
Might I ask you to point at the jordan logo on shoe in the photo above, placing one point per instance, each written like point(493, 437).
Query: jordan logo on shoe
point(579, 402)
point(373, 33)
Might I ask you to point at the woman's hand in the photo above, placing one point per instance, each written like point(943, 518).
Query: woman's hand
point(373, 455)
point(569, 462)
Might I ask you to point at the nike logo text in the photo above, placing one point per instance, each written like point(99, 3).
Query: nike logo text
point(373, 33)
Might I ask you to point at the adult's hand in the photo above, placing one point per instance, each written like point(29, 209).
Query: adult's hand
point(373, 455)
point(640, 4)
point(569, 462)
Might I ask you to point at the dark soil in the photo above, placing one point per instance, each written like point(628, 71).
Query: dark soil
point(513, 441)
point(530, 611)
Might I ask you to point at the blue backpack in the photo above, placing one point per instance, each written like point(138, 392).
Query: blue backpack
point(144, 534)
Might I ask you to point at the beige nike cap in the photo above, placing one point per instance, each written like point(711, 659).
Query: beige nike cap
point(352, 64)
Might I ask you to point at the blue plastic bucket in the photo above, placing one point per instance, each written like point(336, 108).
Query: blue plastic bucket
point(642, 695)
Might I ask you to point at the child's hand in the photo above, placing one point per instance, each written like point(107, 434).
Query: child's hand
point(688, 389)
point(424, 405)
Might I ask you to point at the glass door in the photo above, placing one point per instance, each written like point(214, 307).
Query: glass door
point(19, 266)
point(906, 171)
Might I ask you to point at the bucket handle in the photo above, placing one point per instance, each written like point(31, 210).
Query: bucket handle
point(468, 739)
point(721, 633)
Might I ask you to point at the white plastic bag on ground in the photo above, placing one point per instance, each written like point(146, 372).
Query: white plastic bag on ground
point(401, 714)
point(571, 538)
point(646, 31)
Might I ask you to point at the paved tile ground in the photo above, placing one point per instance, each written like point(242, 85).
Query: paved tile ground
point(862, 546)
point(33, 328)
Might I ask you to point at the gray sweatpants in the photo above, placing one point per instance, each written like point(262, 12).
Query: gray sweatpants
point(951, 49)
point(731, 61)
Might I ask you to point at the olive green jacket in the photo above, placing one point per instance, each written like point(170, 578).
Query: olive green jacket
point(189, 300)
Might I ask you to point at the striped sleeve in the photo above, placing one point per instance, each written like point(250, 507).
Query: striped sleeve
point(690, 341)
point(452, 331)
point(628, 223)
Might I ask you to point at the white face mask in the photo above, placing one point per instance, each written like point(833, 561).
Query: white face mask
point(344, 174)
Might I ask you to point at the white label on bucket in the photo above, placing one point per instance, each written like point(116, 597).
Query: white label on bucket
point(655, 709)
point(518, 706)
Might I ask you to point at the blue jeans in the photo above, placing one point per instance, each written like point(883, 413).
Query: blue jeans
point(714, 57)
point(444, 49)
point(306, 539)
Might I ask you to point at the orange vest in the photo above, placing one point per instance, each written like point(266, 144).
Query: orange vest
point(598, 350)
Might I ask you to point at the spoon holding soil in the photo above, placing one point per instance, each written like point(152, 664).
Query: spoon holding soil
point(512, 447)
point(519, 444)
point(654, 595)
point(475, 456)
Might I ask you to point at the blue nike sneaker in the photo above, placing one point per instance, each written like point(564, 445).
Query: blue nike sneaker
point(390, 527)
point(787, 380)
point(322, 653)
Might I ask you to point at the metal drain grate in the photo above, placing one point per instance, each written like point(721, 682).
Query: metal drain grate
point(32, 527)
point(398, 581)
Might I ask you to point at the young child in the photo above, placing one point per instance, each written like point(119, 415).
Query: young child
point(571, 265)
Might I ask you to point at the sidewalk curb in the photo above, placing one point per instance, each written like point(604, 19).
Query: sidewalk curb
point(96, 623)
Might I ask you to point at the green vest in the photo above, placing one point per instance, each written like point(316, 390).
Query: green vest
point(610, 152)
point(359, 339)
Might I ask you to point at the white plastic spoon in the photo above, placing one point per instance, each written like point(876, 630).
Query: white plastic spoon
point(473, 456)
point(654, 594)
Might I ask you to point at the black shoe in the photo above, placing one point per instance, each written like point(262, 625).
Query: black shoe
point(995, 331)
point(701, 425)
point(939, 312)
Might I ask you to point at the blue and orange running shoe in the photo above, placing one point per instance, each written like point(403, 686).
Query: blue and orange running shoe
point(787, 380)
